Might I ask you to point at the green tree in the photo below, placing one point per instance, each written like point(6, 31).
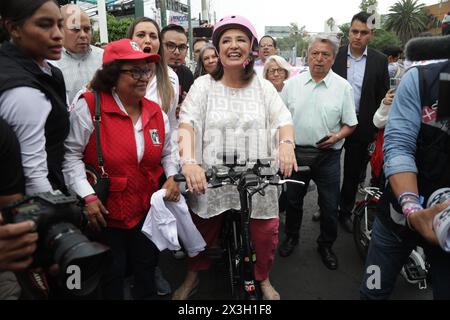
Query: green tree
point(117, 28)
point(297, 37)
point(383, 38)
point(407, 19)
point(366, 4)
point(345, 29)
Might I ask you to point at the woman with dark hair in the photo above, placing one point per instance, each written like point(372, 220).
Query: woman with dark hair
point(207, 61)
point(233, 110)
point(164, 86)
point(32, 92)
point(134, 139)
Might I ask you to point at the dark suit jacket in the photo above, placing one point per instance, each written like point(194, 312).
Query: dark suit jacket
point(374, 88)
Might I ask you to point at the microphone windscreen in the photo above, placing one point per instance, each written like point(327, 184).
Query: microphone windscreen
point(430, 48)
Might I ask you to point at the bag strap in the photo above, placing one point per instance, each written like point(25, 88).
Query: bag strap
point(97, 121)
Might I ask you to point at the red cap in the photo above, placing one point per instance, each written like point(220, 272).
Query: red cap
point(125, 49)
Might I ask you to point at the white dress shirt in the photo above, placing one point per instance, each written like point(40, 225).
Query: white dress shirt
point(26, 110)
point(81, 128)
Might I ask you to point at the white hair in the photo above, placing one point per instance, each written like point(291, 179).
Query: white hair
point(279, 61)
point(325, 38)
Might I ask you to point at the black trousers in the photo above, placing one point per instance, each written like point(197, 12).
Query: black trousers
point(131, 249)
point(327, 177)
point(355, 161)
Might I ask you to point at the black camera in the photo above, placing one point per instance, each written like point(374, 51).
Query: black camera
point(58, 218)
point(202, 32)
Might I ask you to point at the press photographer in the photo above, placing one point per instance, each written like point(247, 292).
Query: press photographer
point(417, 154)
point(17, 243)
point(39, 233)
point(57, 218)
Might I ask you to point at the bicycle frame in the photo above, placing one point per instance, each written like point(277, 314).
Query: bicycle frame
point(236, 231)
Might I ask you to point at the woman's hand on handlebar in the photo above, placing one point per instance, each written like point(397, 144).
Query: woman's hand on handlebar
point(286, 157)
point(195, 178)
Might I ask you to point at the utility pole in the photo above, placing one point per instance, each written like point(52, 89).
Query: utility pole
point(205, 11)
point(163, 9)
point(102, 21)
point(138, 8)
point(190, 29)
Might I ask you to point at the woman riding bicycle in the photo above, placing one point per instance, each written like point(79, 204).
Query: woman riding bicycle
point(217, 113)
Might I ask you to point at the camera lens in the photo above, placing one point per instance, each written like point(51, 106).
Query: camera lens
point(69, 247)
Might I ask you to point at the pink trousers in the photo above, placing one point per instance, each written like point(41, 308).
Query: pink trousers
point(264, 235)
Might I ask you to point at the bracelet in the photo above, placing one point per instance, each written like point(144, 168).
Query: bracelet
point(406, 200)
point(410, 195)
point(90, 198)
point(338, 136)
point(187, 161)
point(410, 208)
point(287, 142)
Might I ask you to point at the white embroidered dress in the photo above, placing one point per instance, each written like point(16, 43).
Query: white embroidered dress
point(227, 120)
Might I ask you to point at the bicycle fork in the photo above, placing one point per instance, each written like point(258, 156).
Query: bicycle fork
point(248, 252)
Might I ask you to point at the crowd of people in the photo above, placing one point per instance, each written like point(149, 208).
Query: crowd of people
point(138, 112)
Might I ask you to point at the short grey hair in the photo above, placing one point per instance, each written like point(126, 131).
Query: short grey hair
point(325, 38)
point(281, 62)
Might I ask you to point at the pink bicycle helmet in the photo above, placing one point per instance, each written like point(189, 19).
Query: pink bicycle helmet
point(238, 22)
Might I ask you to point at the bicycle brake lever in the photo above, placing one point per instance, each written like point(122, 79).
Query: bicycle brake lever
point(213, 184)
point(281, 182)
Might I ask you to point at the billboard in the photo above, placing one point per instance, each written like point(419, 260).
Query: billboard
point(178, 18)
point(278, 31)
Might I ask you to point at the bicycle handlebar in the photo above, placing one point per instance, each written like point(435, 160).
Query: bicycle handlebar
point(257, 177)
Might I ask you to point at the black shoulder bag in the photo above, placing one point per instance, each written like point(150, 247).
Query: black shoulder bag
point(100, 182)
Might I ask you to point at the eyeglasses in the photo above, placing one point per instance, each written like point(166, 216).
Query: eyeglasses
point(272, 71)
point(315, 55)
point(172, 47)
point(362, 32)
point(138, 74)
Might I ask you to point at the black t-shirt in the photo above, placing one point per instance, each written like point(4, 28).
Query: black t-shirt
point(186, 80)
point(11, 174)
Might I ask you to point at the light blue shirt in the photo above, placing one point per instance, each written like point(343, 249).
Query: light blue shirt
point(403, 126)
point(356, 68)
point(319, 109)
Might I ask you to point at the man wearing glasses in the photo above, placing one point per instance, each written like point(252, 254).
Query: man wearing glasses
point(79, 60)
point(367, 72)
point(323, 110)
point(175, 50)
point(267, 48)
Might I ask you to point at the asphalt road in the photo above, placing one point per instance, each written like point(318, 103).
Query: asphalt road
point(301, 276)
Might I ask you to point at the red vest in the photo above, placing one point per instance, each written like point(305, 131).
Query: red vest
point(131, 183)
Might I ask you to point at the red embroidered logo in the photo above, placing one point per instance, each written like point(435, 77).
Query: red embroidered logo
point(429, 114)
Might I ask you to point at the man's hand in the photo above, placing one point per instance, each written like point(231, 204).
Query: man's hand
point(173, 191)
point(422, 222)
point(17, 245)
point(332, 140)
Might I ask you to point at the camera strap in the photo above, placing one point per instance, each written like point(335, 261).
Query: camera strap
point(97, 121)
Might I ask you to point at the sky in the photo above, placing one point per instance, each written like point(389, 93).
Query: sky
point(310, 13)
